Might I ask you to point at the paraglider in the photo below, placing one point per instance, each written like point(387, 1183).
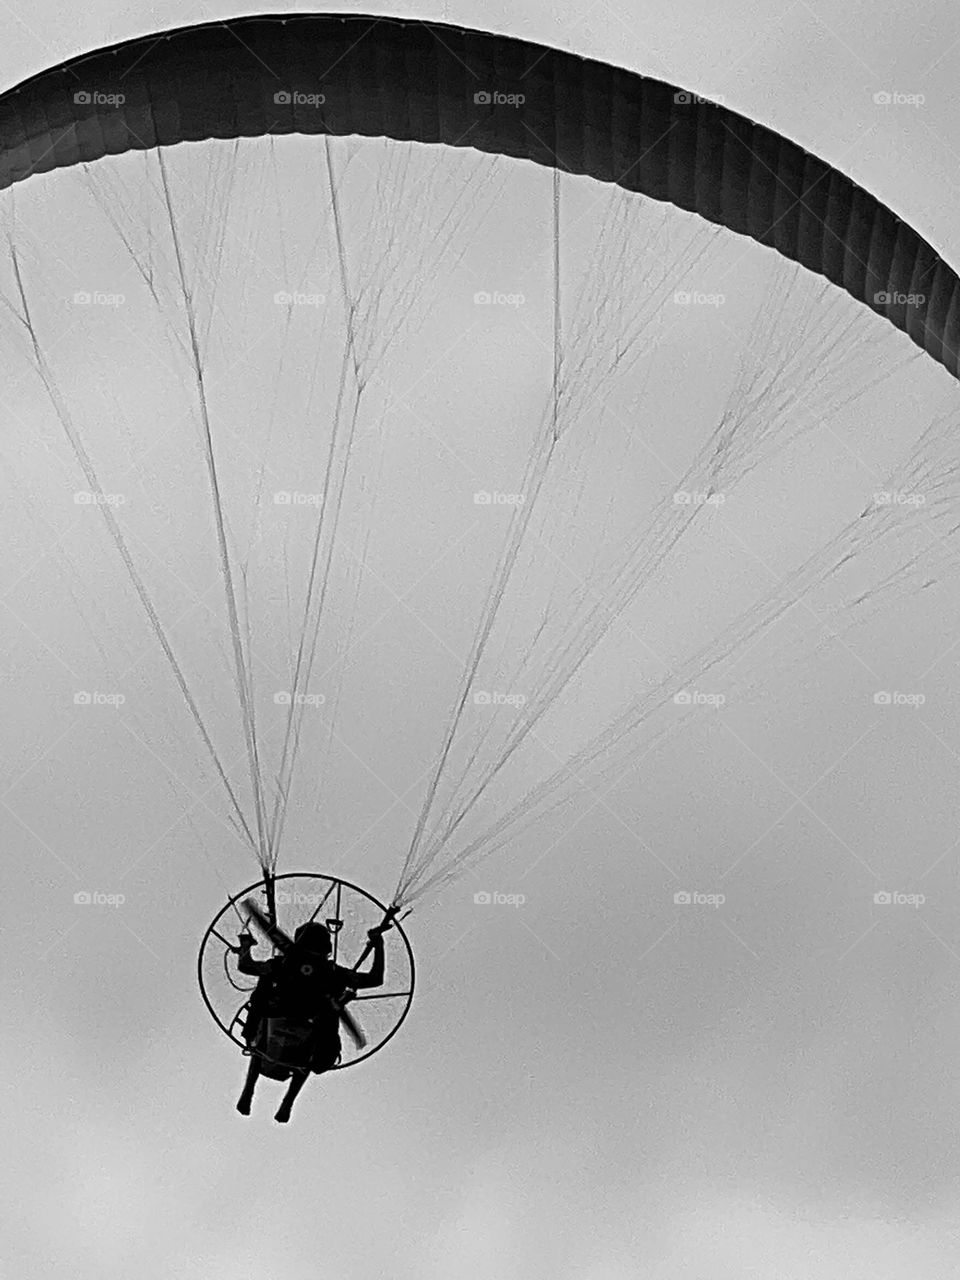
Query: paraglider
point(521, 625)
point(290, 1022)
point(299, 999)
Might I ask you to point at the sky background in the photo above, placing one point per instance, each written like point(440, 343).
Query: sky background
point(589, 1086)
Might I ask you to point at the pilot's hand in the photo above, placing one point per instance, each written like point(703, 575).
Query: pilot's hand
point(246, 941)
point(386, 923)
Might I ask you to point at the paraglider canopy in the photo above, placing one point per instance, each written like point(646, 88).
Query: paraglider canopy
point(586, 530)
point(417, 81)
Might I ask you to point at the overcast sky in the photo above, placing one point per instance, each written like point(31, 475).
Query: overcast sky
point(590, 1087)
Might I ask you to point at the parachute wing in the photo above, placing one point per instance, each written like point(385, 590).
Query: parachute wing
point(431, 83)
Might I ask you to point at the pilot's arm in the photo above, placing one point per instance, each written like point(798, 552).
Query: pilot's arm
point(374, 976)
point(246, 962)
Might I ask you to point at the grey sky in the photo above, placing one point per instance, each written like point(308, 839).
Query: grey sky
point(592, 1086)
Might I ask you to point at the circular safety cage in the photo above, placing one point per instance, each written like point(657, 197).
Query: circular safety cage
point(348, 912)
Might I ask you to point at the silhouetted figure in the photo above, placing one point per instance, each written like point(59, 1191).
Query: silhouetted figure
point(293, 1021)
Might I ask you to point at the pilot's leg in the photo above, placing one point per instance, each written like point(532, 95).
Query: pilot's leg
point(253, 1075)
point(297, 1080)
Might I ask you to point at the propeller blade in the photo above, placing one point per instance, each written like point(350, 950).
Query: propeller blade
point(272, 932)
point(352, 1028)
